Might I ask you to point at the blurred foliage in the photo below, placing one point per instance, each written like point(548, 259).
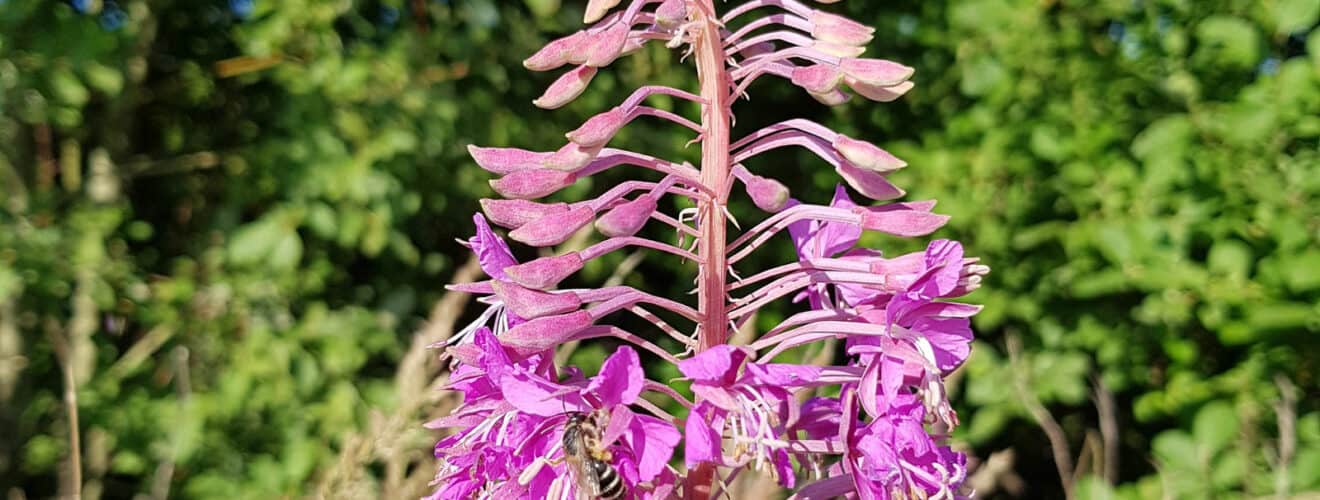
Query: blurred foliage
point(228, 217)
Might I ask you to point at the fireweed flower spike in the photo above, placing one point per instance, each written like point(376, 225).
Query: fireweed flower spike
point(871, 425)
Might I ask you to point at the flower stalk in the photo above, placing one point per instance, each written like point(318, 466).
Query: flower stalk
point(708, 47)
point(880, 438)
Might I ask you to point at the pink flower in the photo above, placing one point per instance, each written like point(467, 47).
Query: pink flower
point(894, 457)
point(641, 444)
point(750, 403)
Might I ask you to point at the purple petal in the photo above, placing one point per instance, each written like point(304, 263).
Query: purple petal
point(492, 252)
point(652, 441)
point(620, 380)
point(621, 419)
point(871, 184)
point(951, 339)
point(717, 395)
point(535, 395)
point(702, 442)
point(718, 365)
point(783, 375)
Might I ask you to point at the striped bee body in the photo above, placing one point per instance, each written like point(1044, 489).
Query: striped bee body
point(589, 459)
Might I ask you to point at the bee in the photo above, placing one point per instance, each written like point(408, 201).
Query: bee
point(589, 458)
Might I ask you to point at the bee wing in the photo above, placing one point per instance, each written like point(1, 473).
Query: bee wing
point(588, 485)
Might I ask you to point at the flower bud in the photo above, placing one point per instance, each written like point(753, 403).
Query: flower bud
point(870, 184)
point(546, 332)
point(553, 229)
point(876, 72)
point(599, 129)
point(505, 160)
point(834, 28)
point(627, 218)
point(546, 272)
point(566, 88)
point(606, 46)
point(831, 98)
point(817, 78)
point(556, 53)
point(532, 304)
point(513, 214)
point(768, 194)
point(671, 13)
point(531, 184)
point(906, 223)
point(838, 49)
point(879, 94)
point(867, 155)
point(596, 9)
point(571, 157)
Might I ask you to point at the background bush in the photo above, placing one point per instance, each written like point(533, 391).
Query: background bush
point(224, 221)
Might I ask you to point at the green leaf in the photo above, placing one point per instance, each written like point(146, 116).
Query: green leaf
point(1303, 272)
point(103, 78)
point(66, 88)
point(287, 251)
point(1169, 135)
point(1294, 15)
point(981, 76)
point(1233, 39)
point(1230, 257)
point(1176, 449)
point(253, 242)
point(1093, 488)
point(1215, 426)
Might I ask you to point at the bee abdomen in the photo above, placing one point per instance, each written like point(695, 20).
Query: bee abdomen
point(611, 485)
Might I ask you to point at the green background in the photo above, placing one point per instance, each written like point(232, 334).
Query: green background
point(224, 221)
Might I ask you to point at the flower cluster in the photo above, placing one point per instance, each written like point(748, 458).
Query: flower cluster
point(870, 424)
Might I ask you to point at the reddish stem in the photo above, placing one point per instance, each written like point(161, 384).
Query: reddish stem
point(715, 170)
point(708, 48)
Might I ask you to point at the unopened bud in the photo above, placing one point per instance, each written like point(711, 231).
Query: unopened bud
point(557, 53)
point(879, 94)
point(566, 88)
point(599, 129)
point(817, 78)
point(553, 229)
point(876, 72)
point(907, 223)
point(867, 155)
point(870, 184)
point(546, 272)
point(532, 184)
point(596, 9)
point(571, 157)
point(532, 304)
point(506, 160)
point(627, 218)
point(513, 214)
point(671, 13)
point(768, 194)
